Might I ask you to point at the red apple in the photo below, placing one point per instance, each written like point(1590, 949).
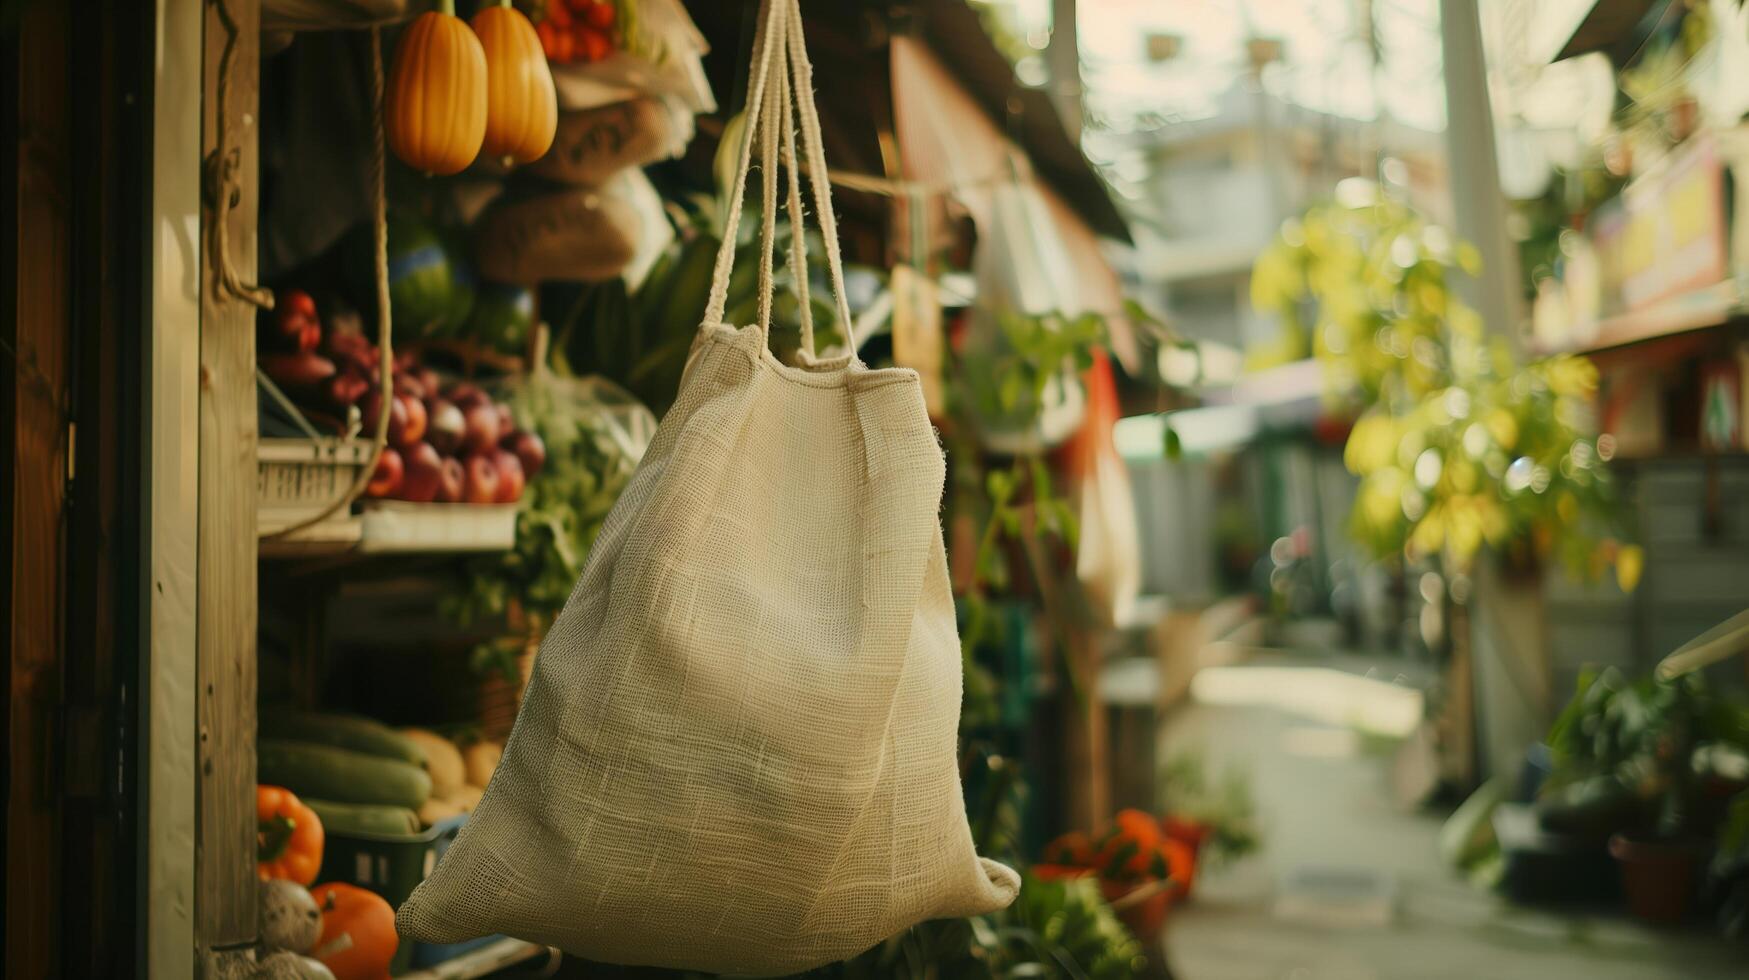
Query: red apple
point(409, 384)
point(413, 426)
point(371, 408)
point(297, 372)
point(428, 380)
point(510, 477)
point(530, 451)
point(406, 417)
point(445, 425)
point(293, 324)
point(482, 427)
point(424, 474)
point(482, 480)
point(386, 478)
point(466, 395)
point(451, 481)
point(506, 420)
point(344, 390)
point(353, 351)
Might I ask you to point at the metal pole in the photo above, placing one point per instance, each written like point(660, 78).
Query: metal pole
point(1477, 203)
point(1509, 656)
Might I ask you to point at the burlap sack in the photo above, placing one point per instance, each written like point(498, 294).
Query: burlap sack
point(577, 235)
point(737, 751)
point(594, 144)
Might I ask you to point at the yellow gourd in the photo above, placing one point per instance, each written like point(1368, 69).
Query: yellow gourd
point(435, 107)
point(522, 110)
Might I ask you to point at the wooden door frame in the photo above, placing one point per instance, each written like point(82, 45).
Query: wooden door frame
point(72, 272)
point(199, 671)
point(37, 292)
point(170, 502)
point(226, 615)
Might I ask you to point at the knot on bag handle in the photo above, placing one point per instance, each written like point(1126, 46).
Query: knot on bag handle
point(780, 104)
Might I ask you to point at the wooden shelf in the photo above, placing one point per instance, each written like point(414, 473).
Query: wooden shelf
point(1701, 309)
point(392, 527)
point(484, 961)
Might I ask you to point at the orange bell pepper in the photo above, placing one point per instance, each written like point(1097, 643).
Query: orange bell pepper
point(289, 836)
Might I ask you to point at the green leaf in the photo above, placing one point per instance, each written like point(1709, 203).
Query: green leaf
point(1041, 479)
point(1000, 485)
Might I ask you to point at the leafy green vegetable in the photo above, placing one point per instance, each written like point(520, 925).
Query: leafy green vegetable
point(594, 434)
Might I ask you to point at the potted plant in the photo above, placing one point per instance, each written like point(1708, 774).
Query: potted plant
point(1141, 869)
point(1215, 816)
point(1653, 764)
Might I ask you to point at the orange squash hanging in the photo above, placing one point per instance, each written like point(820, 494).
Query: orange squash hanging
point(522, 110)
point(435, 107)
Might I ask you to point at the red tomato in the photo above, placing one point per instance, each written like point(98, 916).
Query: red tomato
point(594, 45)
point(600, 15)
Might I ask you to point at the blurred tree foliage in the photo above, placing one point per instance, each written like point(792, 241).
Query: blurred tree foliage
point(1459, 445)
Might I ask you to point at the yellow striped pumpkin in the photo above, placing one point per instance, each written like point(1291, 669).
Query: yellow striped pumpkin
point(435, 106)
point(522, 111)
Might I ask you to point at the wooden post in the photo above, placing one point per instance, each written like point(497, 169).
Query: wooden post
point(226, 614)
point(1086, 758)
point(36, 415)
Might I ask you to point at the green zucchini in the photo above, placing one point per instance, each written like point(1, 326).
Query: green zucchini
point(364, 818)
point(350, 732)
point(328, 773)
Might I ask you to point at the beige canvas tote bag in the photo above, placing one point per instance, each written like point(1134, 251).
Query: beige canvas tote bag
point(737, 749)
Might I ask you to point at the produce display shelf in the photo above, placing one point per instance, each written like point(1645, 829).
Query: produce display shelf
point(1701, 309)
point(335, 536)
point(397, 527)
point(393, 527)
point(484, 961)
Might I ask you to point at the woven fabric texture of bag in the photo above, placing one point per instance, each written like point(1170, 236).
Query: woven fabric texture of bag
point(737, 750)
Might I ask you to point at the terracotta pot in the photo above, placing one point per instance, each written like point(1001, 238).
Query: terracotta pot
point(1659, 877)
point(1141, 908)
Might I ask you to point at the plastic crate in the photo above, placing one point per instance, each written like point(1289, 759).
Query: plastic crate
point(296, 478)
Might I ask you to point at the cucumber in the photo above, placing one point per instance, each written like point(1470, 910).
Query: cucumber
point(350, 732)
point(362, 818)
point(328, 773)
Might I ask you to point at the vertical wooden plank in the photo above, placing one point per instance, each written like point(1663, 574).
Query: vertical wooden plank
point(226, 616)
point(1086, 756)
point(38, 390)
point(171, 488)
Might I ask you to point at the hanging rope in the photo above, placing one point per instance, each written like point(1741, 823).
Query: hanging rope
point(223, 182)
point(380, 221)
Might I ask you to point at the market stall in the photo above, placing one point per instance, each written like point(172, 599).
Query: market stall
point(435, 327)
